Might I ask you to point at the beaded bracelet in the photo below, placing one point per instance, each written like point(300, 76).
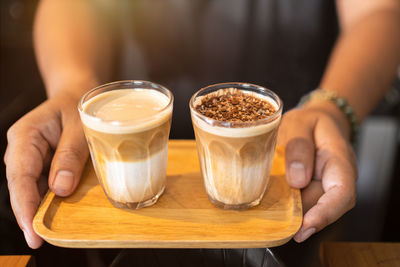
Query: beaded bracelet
point(341, 103)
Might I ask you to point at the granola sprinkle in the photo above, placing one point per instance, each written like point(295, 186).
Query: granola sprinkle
point(232, 105)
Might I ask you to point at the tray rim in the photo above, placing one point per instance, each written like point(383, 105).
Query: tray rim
point(61, 239)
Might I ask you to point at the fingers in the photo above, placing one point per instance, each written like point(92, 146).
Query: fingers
point(24, 159)
point(31, 142)
point(69, 158)
point(297, 137)
point(25, 200)
point(311, 194)
point(335, 170)
point(315, 147)
point(339, 197)
point(299, 161)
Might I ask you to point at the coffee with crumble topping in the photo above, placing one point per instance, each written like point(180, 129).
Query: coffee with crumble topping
point(232, 105)
point(236, 126)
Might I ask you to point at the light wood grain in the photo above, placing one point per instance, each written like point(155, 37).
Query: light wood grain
point(16, 261)
point(353, 254)
point(182, 218)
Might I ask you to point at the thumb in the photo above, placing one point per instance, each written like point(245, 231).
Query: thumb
point(69, 159)
point(299, 161)
point(296, 135)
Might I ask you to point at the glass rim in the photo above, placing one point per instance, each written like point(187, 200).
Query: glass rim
point(121, 82)
point(241, 86)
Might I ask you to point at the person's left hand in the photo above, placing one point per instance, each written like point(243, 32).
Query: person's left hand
point(320, 161)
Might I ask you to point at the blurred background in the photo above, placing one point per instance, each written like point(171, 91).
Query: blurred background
point(306, 51)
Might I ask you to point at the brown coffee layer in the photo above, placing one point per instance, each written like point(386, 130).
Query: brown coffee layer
point(236, 170)
point(252, 148)
point(232, 105)
point(128, 147)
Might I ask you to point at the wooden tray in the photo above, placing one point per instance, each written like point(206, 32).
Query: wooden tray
point(182, 218)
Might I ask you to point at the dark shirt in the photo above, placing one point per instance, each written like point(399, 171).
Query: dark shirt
point(185, 45)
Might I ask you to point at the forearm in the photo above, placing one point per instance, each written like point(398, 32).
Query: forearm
point(73, 44)
point(364, 61)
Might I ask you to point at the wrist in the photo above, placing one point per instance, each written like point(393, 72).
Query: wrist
point(337, 107)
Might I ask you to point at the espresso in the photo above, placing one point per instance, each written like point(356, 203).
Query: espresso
point(235, 149)
point(127, 131)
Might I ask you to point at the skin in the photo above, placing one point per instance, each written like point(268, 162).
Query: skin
point(319, 157)
point(72, 56)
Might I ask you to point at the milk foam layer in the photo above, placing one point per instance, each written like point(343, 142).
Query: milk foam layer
point(126, 110)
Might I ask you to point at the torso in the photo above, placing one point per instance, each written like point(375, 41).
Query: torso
point(185, 45)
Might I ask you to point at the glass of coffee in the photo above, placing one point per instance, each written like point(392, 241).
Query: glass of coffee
point(127, 126)
point(236, 126)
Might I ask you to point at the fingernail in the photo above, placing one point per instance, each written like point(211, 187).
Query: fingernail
point(63, 182)
point(306, 234)
point(28, 239)
point(297, 173)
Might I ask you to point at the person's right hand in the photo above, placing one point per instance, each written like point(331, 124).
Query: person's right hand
point(46, 144)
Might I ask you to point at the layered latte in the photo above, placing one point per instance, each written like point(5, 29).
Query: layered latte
point(235, 133)
point(127, 131)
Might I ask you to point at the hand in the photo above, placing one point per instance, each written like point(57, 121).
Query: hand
point(46, 142)
point(320, 161)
